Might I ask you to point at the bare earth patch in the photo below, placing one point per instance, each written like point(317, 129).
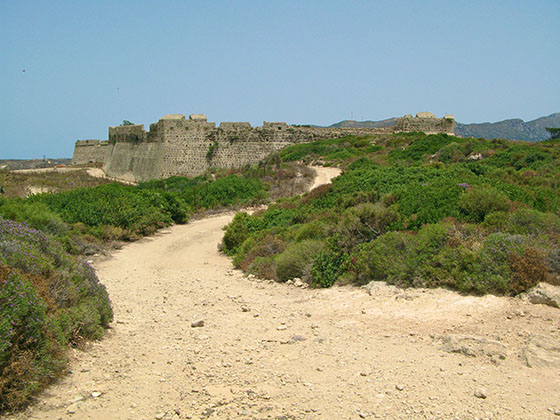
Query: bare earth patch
point(275, 351)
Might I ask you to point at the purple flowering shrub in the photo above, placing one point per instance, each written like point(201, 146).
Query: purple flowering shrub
point(22, 334)
point(48, 299)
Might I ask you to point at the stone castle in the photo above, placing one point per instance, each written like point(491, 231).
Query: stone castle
point(179, 146)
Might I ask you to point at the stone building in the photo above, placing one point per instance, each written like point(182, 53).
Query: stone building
point(176, 145)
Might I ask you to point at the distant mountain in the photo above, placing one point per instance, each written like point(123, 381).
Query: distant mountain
point(367, 124)
point(514, 129)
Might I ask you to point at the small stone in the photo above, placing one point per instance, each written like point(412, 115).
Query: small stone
point(208, 412)
point(362, 415)
point(96, 394)
point(77, 399)
point(281, 327)
point(197, 324)
point(298, 282)
point(72, 408)
point(299, 338)
point(159, 416)
point(399, 387)
point(480, 393)
point(557, 412)
point(245, 309)
point(363, 374)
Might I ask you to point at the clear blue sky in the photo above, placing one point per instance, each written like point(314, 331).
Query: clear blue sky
point(91, 64)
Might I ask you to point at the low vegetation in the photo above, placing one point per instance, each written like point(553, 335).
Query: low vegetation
point(413, 210)
point(48, 300)
point(22, 184)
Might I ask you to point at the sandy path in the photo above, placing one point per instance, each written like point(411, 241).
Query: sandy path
point(324, 175)
point(275, 351)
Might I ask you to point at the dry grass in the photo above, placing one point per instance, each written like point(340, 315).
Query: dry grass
point(18, 184)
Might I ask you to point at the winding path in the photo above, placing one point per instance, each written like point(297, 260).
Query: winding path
point(276, 351)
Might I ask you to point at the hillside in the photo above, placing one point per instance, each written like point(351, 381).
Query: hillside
point(368, 124)
point(514, 129)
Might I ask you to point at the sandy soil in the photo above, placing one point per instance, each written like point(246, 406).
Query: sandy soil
point(93, 172)
point(276, 351)
point(52, 169)
point(324, 175)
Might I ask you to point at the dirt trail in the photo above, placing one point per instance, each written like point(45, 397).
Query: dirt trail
point(276, 351)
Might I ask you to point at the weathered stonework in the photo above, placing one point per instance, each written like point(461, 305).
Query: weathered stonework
point(90, 151)
point(179, 146)
point(426, 122)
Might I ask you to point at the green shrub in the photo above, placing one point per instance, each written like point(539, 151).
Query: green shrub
point(36, 215)
point(297, 259)
point(388, 258)
point(227, 191)
point(264, 268)
point(451, 267)
point(329, 264)
point(528, 221)
point(339, 149)
point(266, 246)
point(238, 231)
point(494, 275)
point(365, 222)
point(315, 229)
point(422, 146)
point(477, 202)
point(134, 210)
point(451, 153)
point(446, 214)
point(496, 221)
point(430, 240)
point(47, 299)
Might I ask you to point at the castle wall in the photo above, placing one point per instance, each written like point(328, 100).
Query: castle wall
point(134, 162)
point(134, 133)
point(179, 146)
point(192, 148)
point(427, 123)
point(90, 151)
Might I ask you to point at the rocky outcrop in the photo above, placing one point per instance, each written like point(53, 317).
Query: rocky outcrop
point(544, 294)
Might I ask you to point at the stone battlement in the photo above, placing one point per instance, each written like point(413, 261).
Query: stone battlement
point(176, 145)
point(427, 123)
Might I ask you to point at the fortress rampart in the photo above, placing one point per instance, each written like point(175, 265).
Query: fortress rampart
point(176, 145)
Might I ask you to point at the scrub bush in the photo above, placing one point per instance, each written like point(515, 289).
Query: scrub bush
point(297, 259)
point(48, 299)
